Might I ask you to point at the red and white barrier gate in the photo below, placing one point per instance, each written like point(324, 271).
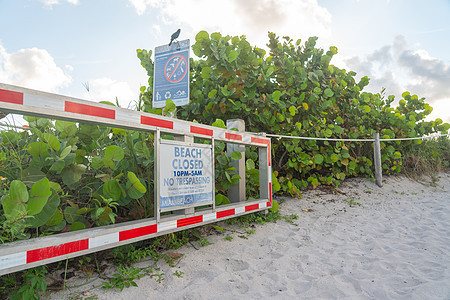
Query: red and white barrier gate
point(26, 254)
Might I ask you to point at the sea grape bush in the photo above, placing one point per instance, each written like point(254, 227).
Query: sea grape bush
point(294, 90)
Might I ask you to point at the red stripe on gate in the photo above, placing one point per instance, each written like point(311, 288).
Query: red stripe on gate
point(137, 232)
point(189, 221)
point(53, 251)
point(204, 131)
point(270, 192)
point(233, 136)
point(90, 110)
point(269, 154)
point(11, 97)
point(260, 141)
point(251, 207)
point(156, 122)
point(225, 213)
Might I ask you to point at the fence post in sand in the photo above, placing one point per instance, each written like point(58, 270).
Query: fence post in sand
point(237, 191)
point(377, 159)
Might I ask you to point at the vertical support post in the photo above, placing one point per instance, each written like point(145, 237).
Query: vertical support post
point(377, 159)
point(237, 192)
point(156, 178)
point(265, 172)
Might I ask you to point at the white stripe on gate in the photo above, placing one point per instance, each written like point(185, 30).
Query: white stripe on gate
point(129, 116)
point(209, 217)
point(181, 126)
point(43, 102)
point(103, 240)
point(13, 260)
point(239, 210)
point(167, 226)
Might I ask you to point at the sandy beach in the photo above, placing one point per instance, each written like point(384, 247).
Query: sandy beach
point(364, 242)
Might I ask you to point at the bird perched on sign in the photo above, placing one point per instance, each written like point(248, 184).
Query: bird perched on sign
point(174, 36)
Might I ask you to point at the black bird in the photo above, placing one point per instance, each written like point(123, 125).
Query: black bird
point(174, 36)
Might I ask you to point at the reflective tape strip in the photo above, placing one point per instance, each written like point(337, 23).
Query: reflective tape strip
point(13, 260)
point(200, 130)
point(225, 213)
point(90, 110)
point(239, 210)
point(167, 226)
point(156, 122)
point(270, 193)
point(104, 240)
point(137, 232)
point(219, 133)
point(127, 115)
point(43, 102)
point(260, 140)
point(11, 97)
point(269, 154)
point(232, 136)
point(53, 251)
point(251, 207)
point(209, 217)
point(181, 126)
point(189, 221)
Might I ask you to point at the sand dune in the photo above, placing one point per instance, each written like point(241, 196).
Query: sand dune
point(392, 243)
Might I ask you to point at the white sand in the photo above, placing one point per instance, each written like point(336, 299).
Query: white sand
point(396, 245)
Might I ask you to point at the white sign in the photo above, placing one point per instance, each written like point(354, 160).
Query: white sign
point(186, 175)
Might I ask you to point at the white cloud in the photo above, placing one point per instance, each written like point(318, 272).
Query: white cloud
point(33, 68)
point(50, 3)
point(399, 67)
point(253, 18)
point(107, 89)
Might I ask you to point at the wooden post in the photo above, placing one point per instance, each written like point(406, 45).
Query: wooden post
point(237, 192)
point(377, 159)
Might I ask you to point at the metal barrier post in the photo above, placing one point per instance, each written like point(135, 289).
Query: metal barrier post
point(237, 192)
point(377, 159)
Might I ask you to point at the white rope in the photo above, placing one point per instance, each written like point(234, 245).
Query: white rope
point(353, 140)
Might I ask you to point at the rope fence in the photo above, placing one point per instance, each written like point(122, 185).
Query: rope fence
point(353, 140)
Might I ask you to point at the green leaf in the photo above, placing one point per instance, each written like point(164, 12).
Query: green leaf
point(221, 199)
point(232, 56)
point(206, 72)
point(77, 226)
point(18, 193)
point(65, 152)
point(318, 159)
point(328, 93)
point(56, 218)
point(52, 141)
point(334, 157)
point(275, 206)
point(135, 187)
point(39, 150)
point(292, 110)
point(269, 71)
point(72, 173)
point(276, 95)
point(111, 189)
point(58, 166)
point(48, 211)
point(202, 35)
point(236, 155)
point(71, 215)
point(39, 194)
point(113, 154)
point(219, 123)
point(212, 93)
point(367, 108)
point(97, 162)
point(250, 164)
point(66, 128)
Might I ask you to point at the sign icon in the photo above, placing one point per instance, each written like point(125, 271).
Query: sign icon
point(171, 74)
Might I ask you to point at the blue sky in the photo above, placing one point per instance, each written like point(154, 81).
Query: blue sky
point(57, 45)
